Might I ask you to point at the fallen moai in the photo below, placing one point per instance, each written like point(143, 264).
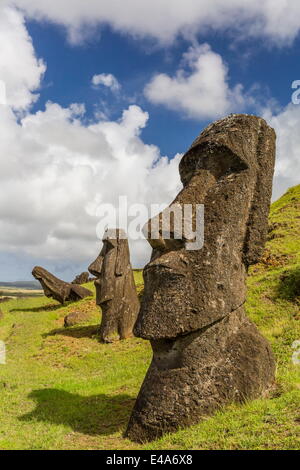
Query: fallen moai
point(206, 352)
point(58, 289)
point(115, 288)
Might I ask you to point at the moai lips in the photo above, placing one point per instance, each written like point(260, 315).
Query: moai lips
point(115, 288)
point(205, 351)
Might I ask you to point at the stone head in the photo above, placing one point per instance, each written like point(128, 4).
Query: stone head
point(229, 170)
point(112, 262)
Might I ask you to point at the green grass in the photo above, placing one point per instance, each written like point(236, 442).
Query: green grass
point(62, 389)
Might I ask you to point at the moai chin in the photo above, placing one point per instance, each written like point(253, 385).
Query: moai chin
point(115, 288)
point(206, 352)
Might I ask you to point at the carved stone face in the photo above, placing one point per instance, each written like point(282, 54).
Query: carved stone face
point(205, 351)
point(115, 289)
point(112, 262)
point(226, 170)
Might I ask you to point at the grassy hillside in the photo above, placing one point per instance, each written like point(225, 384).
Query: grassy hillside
point(61, 389)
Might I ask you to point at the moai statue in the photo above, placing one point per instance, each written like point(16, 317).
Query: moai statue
point(206, 352)
point(57, 289)
point(82, 278)
point(115, 288)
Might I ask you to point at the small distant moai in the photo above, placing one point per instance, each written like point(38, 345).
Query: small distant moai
point(82, 278)
point(57, 289)
point(115, 288)
point(206, 352)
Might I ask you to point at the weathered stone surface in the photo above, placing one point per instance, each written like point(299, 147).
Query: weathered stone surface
point(76, 318)
point(115, 288)
point(58, 289)
point(205, 351)
point(82, 278)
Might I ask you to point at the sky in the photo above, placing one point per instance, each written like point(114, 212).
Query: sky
point(100, 99)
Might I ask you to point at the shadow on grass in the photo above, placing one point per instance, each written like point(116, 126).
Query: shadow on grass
point(39, 309)
point(289, 285)
point(75, 332)
point(94, 415)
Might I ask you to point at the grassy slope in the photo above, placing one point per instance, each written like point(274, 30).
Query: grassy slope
point(61, 389)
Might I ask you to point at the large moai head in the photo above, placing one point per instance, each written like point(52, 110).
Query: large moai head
point(229, 169)
point(206, 352)
point(115, 289)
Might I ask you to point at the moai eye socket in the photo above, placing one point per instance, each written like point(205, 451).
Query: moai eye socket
point(219, 161)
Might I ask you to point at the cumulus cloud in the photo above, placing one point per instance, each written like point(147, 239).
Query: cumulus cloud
point(20, 70)
point(201, 92)
point(286, 124)
point(3, 99)
point(163, 20)
point(106, 79)
point(57, 172)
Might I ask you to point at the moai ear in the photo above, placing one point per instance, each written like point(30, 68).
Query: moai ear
point(108, 276)
point(257, 226)
point(122, 257)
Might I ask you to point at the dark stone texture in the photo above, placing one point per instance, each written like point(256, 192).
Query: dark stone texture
point(205, 351)
point(58, 289)
point(76, 318)
point(82, 278)
point(115, 288)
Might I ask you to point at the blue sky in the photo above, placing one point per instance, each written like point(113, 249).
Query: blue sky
point(134, 61)
point(68, 145)
point(70, 69)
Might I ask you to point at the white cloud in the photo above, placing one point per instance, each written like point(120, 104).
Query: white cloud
point(3, 99)
point(202, 92)
point(20, 70)
point(286, 124)
point(57, 171)
point(54, 169)
point(108, 80)
point(164, 19)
